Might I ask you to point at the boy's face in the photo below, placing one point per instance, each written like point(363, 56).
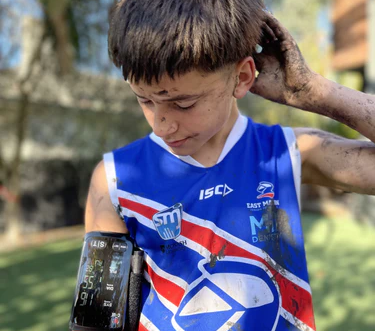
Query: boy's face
point(192, 113)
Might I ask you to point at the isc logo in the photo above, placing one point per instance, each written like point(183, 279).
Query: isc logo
point(222, 190)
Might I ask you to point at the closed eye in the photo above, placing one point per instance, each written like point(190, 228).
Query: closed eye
point(146, 102)
point(185, 108)
point(149, 102)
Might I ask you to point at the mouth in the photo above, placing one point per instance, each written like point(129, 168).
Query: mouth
point(176, 143)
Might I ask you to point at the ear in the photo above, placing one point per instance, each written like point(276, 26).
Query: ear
point(245, 71)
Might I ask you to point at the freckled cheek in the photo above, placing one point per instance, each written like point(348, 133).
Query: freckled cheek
point(221, 108)
point(149, 115)
point(222, 99)
point(209, 107)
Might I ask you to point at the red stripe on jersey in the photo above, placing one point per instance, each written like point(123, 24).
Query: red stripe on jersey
point(141, 327)
point(169, 290)
point(138, 208)
point(295, 299)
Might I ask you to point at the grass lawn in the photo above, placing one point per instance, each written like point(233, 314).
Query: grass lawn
point(36, 284)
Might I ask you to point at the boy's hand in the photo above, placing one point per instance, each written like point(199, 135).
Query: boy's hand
point(284, 76)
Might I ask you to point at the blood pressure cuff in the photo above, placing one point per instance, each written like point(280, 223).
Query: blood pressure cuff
point(110, 275)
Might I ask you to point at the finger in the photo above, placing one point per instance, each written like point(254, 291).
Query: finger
point(279, 30)
point(268, 33)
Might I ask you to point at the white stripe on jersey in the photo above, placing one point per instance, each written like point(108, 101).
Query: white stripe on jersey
point(295, 321)
point(295, 157)
point(110, 170)
point(148, 325)
point(174, 279)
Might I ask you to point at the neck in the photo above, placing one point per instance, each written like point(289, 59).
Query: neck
point(209, 154)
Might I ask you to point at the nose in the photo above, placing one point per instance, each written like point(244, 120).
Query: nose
point(164, 123)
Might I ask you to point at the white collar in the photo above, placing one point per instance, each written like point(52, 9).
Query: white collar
point(234, 136)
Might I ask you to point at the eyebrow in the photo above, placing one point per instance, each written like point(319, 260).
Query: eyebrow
point(180, 97)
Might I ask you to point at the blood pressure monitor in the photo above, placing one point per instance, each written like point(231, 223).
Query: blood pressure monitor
point(101, 293)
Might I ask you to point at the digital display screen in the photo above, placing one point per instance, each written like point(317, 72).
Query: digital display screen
point(91, 282)
point(101, 292)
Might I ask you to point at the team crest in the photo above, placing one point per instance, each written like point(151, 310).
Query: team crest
point(234, 294)
point(266, 190)
point(168, 222)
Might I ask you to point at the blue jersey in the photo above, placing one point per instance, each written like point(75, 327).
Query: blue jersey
point(224, 245)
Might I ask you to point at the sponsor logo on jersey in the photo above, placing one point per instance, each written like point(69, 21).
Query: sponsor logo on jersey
point(256, 206)
point(220, 190)
point(265, 228)
point(168, 222)
point(266, 190)
point(263, 231)
point(174, 247)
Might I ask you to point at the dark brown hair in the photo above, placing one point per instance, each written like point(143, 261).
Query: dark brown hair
point(150, 38)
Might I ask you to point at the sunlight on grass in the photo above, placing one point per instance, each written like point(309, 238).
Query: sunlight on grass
point(28, 279)
point(17, 257)
point(37, 284)
point(341, 263)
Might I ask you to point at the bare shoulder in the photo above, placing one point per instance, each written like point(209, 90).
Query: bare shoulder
point(314, 133)
point(310, 139)
point(100, 212)
point(337, 162)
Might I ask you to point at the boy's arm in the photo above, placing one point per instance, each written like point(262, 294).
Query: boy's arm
point(336, 162)
point(100, 214)
point(327, 159)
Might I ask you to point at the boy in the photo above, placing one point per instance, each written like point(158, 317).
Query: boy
point(211, 197)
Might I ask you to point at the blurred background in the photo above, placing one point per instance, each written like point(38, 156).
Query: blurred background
point(63, 104)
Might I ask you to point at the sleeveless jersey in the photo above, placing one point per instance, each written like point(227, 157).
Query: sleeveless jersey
point(223, 245)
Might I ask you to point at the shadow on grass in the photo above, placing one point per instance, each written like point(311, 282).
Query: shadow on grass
point(37, 285)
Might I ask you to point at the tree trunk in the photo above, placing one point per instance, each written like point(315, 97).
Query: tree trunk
point(56, 12)
point(13, 217)
point(27, 83)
